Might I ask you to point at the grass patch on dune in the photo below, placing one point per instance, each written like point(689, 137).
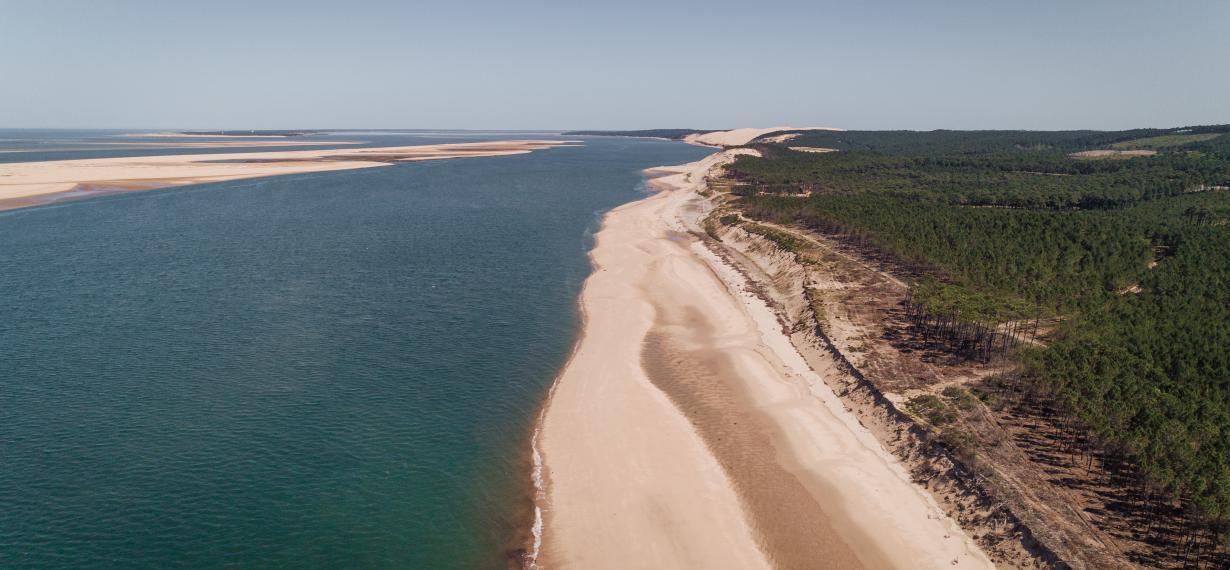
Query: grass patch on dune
point(932, 409)
point(786, 241)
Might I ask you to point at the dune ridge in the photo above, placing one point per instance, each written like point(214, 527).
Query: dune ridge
point(740, 137)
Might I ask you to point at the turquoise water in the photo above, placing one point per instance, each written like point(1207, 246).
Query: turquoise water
point(313, 371)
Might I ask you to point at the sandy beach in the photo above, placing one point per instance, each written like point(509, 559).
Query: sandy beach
point(32, 183)
point(687, 432)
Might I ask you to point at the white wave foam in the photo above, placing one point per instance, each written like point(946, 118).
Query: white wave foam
point(540, 494)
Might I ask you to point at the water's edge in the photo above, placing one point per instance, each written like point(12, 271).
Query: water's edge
point(538, 476)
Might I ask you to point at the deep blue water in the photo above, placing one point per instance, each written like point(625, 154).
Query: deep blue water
point(331, 370)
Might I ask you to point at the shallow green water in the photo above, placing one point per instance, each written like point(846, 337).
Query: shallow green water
point(313, 371)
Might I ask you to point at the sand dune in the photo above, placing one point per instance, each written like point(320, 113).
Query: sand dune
point(739, 137)
point(32, 183)
point(781, 138)
point(1110, 153)
point(687, 432)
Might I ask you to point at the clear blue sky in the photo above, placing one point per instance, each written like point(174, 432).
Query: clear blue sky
point(614, 64)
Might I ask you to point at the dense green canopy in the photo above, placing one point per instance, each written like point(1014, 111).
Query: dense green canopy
point(1133, 251)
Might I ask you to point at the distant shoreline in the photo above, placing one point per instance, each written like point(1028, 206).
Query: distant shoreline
point(265, 134)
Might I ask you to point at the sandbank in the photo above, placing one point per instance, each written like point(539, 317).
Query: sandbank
point(32, 183)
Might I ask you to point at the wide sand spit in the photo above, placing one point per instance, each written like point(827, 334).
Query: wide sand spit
point(686, 431)
point(32, 183)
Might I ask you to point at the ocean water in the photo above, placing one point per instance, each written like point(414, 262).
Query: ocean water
point(334, 370)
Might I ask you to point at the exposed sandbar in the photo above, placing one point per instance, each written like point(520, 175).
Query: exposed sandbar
point(31, 183)
point(135, 145)
point(201, 136)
